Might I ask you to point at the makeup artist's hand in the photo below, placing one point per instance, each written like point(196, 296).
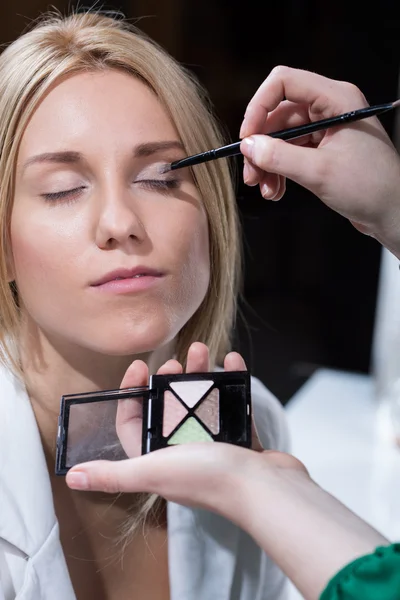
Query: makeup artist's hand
point(268, 494)
point(129, 420)
point(355, 169)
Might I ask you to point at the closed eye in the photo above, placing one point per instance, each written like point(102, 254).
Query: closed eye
point(160, 185)
point(54, 196)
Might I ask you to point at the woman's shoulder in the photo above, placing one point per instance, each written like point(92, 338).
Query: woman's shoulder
point(6, 381)
point(9, 384)
point(16, 412)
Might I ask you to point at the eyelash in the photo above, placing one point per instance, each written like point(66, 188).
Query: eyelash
point(164, 186)
point(160, 185)
point(61, 195)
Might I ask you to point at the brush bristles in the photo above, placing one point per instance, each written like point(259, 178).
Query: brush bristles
point(165, 169)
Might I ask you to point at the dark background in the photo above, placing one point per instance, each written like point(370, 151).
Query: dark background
point(311, 279)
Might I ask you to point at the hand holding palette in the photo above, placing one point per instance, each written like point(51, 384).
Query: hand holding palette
point(177, 409)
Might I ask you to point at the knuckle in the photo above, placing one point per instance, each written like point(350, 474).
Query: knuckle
point(352, 91)
point(273, 154)
point(110, 483)
point(280, 71)
point(322, 106)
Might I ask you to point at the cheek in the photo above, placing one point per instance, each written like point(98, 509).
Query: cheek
point(42, 253)
point(195, 274)
point(198, 261)
point(30, 258)
point(189, 246)
point(183, 241)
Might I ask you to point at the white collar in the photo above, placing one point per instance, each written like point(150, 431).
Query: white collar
point(25, 490)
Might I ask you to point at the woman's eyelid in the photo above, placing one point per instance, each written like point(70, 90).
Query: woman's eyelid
point(156, 171)
point(61, 181)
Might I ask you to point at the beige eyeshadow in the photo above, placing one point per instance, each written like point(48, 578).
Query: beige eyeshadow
point(174, 412)
point(208, 411)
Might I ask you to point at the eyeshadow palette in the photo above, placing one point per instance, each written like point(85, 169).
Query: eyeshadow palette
point(197, 407)
point(173, 409)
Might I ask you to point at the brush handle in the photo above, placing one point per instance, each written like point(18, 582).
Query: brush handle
point(286, 134)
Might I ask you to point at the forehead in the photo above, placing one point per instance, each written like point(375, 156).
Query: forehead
point(97, 107)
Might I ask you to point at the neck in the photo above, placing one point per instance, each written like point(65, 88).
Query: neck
point(53, 368)
point(89, 522)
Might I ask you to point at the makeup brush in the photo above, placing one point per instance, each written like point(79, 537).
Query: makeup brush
point(284, 134)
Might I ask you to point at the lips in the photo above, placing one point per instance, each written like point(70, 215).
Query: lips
point(121, 274)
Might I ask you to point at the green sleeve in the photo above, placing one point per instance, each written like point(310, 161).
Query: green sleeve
point(372, 577)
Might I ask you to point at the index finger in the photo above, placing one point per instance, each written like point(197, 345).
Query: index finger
point(182, 474)
point(325, 97)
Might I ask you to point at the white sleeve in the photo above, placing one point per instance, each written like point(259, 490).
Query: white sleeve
point(269, 418)
point(273, 432)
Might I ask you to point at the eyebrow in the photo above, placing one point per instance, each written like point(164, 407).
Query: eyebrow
point(153, 147)
point(53, 157)
point(69, 157)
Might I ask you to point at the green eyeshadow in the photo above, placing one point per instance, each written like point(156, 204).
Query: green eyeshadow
point(190, 431)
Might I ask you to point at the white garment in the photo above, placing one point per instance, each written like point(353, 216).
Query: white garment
point(209, 557)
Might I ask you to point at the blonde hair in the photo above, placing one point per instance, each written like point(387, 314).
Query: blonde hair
point(59, 46)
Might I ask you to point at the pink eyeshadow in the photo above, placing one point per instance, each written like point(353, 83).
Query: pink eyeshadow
point(191, 391)
point(208, 411)
point(174, 412)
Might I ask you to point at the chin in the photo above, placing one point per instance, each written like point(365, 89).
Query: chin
point(132, 340)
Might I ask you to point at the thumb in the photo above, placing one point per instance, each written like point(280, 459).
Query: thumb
point(128, 419)
point(202, 475)
point(303, 165)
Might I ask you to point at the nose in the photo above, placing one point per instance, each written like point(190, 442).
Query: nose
point(118, 221)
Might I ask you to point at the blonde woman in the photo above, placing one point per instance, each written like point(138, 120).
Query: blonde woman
point(90, 109)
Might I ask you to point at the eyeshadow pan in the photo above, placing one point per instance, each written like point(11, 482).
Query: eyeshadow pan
point(174, 412)
point(191, 391)
point(208, 411)
point(191, 431)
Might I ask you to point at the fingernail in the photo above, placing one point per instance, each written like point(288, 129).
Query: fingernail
point(78, 480)
point(248, 146)
point(245, 171)
point(265, 190)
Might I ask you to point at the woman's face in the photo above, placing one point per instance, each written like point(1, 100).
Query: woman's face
point(108, 252)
